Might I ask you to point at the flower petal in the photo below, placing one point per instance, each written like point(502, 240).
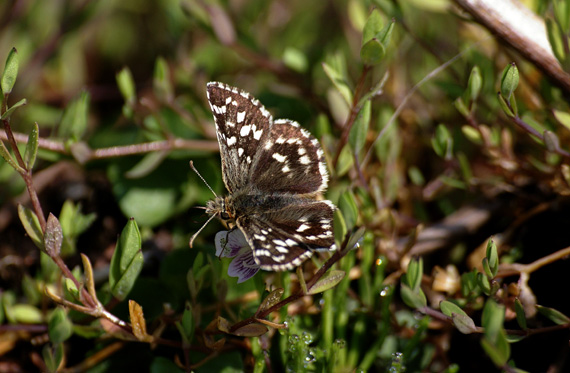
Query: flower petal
point(229, 243)
point(243, 266)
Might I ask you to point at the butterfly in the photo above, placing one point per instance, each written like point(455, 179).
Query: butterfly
point(273, 170)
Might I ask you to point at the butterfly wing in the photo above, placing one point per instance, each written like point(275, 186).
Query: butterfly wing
point(242, 126)
point(284, 238)
point(290, 161)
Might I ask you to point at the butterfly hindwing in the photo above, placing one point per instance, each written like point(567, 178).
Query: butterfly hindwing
point(282, 239)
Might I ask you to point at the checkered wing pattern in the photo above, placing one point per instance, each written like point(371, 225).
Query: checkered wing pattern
point(242, 126)
point(277, 161)
point(293, 157)
point(282, 239)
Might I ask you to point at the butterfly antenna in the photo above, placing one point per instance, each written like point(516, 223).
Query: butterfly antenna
point(200, 230)
point(208, 185)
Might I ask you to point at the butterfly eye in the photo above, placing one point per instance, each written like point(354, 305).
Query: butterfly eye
point(225, 216)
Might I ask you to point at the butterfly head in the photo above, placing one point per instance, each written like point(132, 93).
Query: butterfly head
point(222, 208)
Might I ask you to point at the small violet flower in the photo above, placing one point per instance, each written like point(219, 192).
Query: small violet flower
point(232, 244)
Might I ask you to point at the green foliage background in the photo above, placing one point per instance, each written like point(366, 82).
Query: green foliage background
point(103, 77)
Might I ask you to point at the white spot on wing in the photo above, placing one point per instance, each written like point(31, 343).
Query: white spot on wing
point(257, 134)
point(232, 140)
point(279, 157)
point(305, 160)
point(240, 151)
point(303, 227)
point(245, 130)
point(240, 116)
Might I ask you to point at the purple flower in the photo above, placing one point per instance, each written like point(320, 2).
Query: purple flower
point(232, 244)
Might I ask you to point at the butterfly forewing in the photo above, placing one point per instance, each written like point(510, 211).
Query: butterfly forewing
point(292, 156)
point(242, 126)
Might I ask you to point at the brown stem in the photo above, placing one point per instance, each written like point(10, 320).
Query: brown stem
point(118, 151)
point(528, 128)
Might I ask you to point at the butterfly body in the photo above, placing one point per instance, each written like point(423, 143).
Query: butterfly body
point(273, 171)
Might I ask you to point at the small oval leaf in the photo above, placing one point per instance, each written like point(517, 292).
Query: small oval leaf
point(126, 262)
point(32, 226)
point(328, 281)
point(272, 299)
point(10, 72)
point(53, 237)
point(59, 326)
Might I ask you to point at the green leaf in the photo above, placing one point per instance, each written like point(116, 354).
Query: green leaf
point(521, 317)
point(499, 351)
point(72, 221)
point(345, 161)
point(372, 52)
point(359, 130)
point(12, 108)
point(10, 72)
point(448, 308)
point(59, 326)
point(492, 319)
point(295, 60)
point(509, 80)
point(385, 34)
point(553, 315)
point(414, 299)
point(472, 134)
point(506, 109)
point(126, 262)
point(355, 237)
point(461, 107)
point(339, 81)
point(415, 273)
point(32, 226)
point(187, 324)
point(486, 268)
point(147, 164)
point(492, 257)
point(161, 82)
point(74, 120)
point(556, 38)
point(442, 142)
point(126, 85)
point(561, 10)
point(347, 204)
point(372, 26)
point(8, 158)
point(32, 147)
point(53, 356)
point(53, 236)
point(474, 84)
point(270, 300)
point(328, 281)
point(551, 141)
point(339, 226)
point(562, 117)
point(463, 323)
point(26, 314)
